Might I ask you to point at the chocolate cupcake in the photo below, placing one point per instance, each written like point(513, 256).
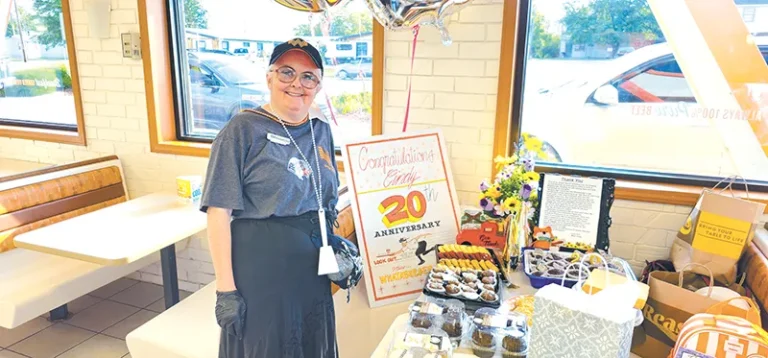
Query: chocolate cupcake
point(490, 280)
point(453, 328)
point(483, 343)
point(489, 296)
point(421, 321)
point(452, 289)
point(514, 344)
point(556, 272)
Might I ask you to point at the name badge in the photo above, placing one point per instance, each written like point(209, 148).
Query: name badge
point(274, 138)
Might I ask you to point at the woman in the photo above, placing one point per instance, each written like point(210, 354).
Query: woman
point(269, 170)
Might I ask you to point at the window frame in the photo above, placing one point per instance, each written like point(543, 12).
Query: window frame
point(639, 185)
point(155, 24)
point(51, 132)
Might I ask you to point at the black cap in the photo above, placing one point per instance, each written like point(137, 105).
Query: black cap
point(297, 44)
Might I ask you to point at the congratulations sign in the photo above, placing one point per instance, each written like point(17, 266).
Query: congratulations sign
point(405, 204)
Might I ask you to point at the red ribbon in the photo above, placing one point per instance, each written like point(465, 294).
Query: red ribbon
point(330, 108)
point(410, 77)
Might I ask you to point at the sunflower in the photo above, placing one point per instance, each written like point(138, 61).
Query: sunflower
point(531, 176)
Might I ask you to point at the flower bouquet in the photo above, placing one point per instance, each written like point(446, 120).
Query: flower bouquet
point(513, 196)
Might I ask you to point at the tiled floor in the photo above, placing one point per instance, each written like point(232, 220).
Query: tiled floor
point(97, 329)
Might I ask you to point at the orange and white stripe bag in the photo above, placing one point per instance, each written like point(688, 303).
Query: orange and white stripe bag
point(715, 334)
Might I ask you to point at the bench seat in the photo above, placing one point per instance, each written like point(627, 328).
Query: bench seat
point(32, 283)
point(195, 333)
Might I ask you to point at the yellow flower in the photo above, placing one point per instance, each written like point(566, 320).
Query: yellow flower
point(504, 161)
point(531, 176)
point(493, 192)
point(511, 204)
point(534, 144)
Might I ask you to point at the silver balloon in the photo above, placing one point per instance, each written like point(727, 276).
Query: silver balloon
point(309, 5)
point(405, 14)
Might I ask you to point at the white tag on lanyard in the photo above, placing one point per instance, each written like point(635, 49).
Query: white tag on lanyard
point(327, 263)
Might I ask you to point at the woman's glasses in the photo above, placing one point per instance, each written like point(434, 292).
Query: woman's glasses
point(307, 79)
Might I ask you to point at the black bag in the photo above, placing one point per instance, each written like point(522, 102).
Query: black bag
point(658, 265)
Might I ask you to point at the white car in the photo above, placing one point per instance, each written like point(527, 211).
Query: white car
point(632, 112)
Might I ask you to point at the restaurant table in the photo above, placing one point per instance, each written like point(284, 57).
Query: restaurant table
point(123, 233)
point(518, 278)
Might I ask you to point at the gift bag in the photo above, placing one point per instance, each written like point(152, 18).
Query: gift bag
point(573, 323)
point(718, 335)
point(671, 302)
point(716, 233)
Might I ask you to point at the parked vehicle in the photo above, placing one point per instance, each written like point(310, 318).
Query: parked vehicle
point(362, 67)
point(222, 86)
point(634, 111)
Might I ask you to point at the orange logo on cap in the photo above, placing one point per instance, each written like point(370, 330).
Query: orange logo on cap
point(298, 42)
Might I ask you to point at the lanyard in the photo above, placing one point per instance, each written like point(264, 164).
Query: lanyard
point(316, 180)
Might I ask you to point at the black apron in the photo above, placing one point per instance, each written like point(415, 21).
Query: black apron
point(289, 308)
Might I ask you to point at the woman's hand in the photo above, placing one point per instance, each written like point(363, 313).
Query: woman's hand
point(230, 312)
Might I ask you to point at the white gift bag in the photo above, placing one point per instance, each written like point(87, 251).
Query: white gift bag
point(573, 324)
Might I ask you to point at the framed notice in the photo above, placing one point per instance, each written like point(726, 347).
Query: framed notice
point(576, 208)
point(405, 204)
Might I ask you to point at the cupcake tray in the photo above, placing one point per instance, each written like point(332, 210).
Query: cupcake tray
point(541, 281)
point(471, 305)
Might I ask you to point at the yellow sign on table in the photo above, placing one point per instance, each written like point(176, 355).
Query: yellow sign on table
point(721, 235)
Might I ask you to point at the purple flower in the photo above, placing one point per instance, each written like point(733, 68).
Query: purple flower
point(484, 186)
point(525, 193)
point(528, 163)
point(486, 204)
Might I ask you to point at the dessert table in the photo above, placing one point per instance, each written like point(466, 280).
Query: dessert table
point(517, 277)
point(122, 234)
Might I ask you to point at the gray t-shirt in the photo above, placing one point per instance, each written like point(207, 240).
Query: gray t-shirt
point(256, 170)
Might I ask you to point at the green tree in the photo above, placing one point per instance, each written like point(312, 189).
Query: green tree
point(195, 16)
point(49, 15)
point(342, 25)
point(609, 22)
point(543, 44)
point(25, 21)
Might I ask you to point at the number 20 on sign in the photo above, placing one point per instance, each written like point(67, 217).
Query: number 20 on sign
point(400, 209)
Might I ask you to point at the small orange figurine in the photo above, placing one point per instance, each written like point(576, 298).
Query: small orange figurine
point(543, 238)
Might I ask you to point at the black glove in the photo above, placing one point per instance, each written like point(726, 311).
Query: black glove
point(230, 312)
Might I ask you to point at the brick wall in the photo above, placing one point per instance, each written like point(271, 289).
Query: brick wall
point(454, 88)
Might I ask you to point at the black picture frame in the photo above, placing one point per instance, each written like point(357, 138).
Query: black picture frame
point(607, 197)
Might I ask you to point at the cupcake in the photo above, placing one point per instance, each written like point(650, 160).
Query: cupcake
point(435, 287)
point(489, 296)
point(514, 344)
point(490, 280)
point(421, 321)
point(469, 277)
point(483, 343)
point(488, 273)
point(468, 289)
point(556, 272)
point(489, 287)
point(453, 328)
point(471, 295)
point(452, 289)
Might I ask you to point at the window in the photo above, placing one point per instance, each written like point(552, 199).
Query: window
point(748, 14)
point(600, 92)
point(38, 81)
point(212, 84)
